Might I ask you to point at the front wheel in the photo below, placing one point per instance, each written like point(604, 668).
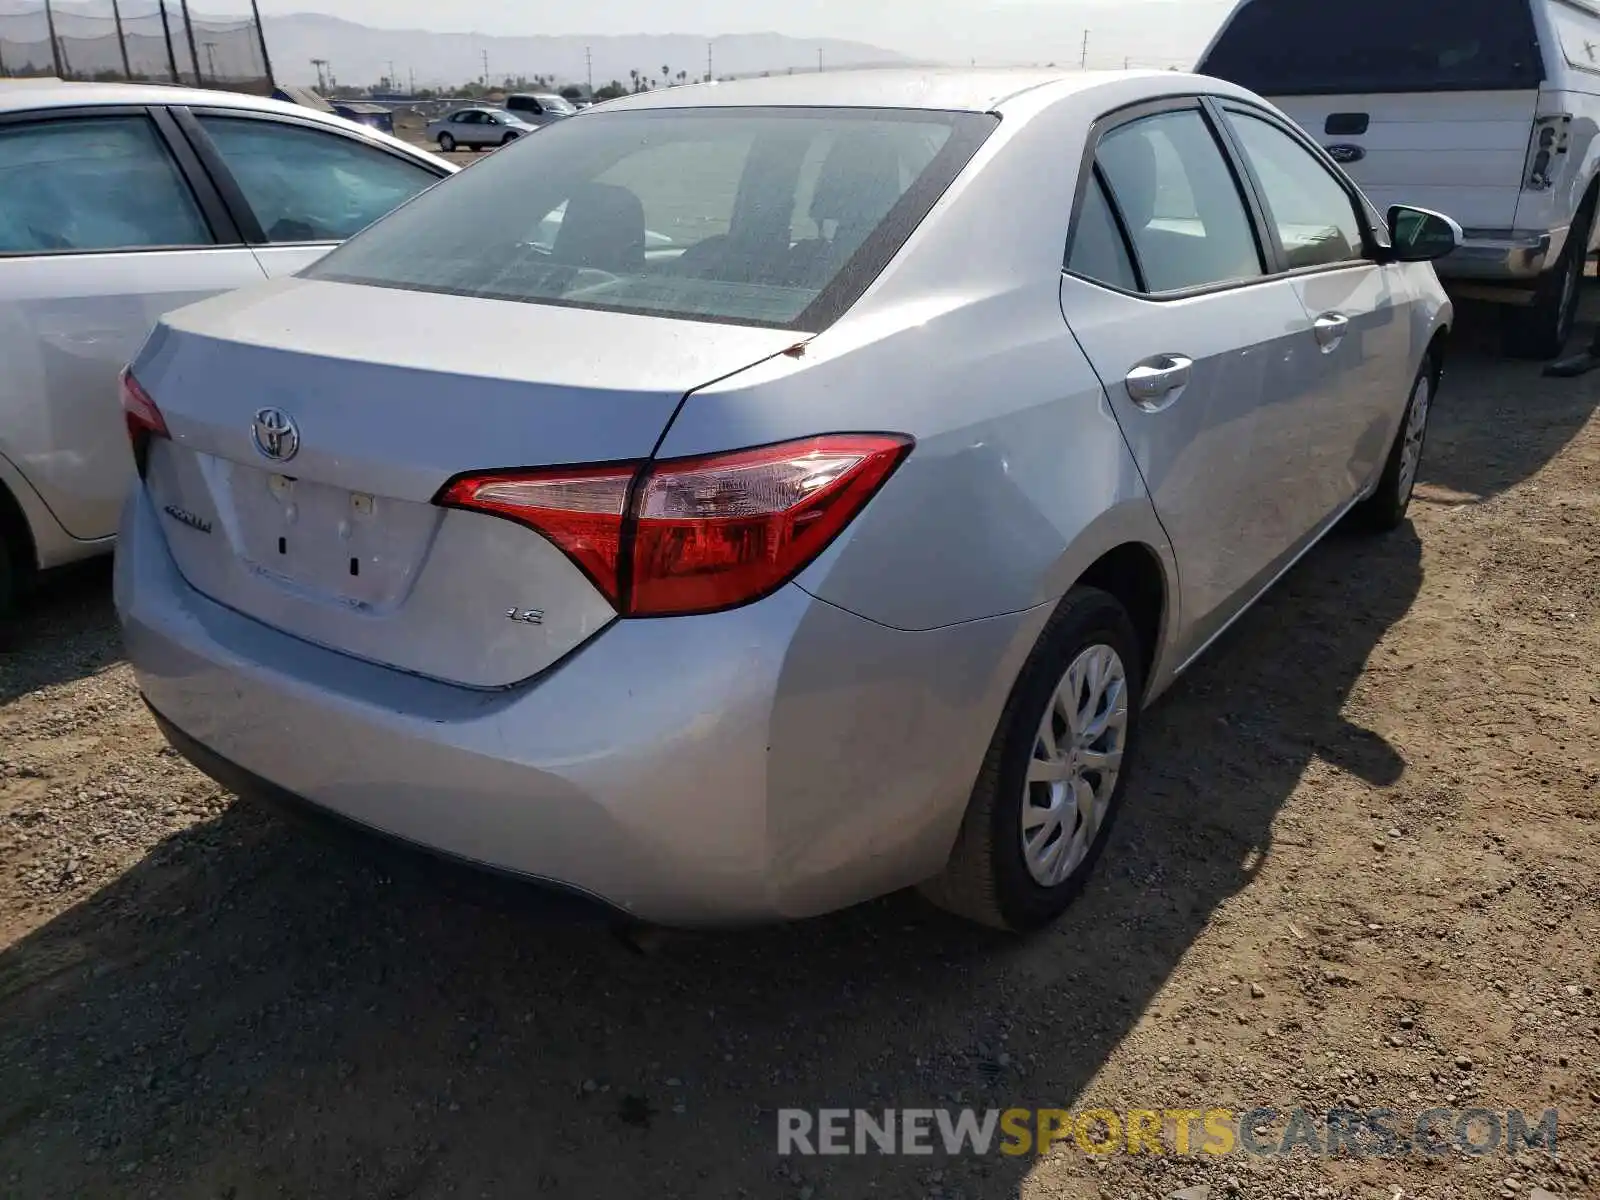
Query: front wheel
point(1386, 508)
point(1055, 774)
point(447, 143)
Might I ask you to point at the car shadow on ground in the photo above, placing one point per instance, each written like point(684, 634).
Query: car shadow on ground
point(1503, 429)
point(65, 629)
point(248, 1012)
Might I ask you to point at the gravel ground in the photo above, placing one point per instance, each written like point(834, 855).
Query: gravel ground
point(1361, 867)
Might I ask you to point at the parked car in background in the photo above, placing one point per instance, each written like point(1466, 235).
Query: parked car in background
point(833, 546)
point(118, 202)
point(541, 108)
point(1483, 109)
point(477, 128)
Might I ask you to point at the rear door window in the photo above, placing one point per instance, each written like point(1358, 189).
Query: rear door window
point(1312, 47)
point(92, 183)
point(1179, 202)
point(308, 186)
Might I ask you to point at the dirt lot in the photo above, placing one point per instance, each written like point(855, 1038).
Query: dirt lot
point(1361, 867)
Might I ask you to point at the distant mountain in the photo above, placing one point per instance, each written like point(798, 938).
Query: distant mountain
point(359, 54)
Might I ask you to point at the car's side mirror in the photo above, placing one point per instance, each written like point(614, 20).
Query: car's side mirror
point(1419, 235)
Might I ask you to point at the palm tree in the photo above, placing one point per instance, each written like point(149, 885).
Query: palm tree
point(666, 72)
point(683, 77)
point(634, 75)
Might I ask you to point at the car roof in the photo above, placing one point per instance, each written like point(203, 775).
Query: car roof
point(34, 95)
point(975, 89)
point(18, 94)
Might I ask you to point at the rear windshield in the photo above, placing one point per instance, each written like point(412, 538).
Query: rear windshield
point(776, 217)
point(1312, 47)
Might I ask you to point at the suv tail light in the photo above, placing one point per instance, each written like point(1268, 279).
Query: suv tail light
point(1550, 139)
point(694, 535)
point(143, 417)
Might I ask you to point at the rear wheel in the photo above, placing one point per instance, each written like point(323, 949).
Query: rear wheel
point(1386, 508)
point(1055, 773)
point(447, 143)
point(8, 575)
point(1541, 330)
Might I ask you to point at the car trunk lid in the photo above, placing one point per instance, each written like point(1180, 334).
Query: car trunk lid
point(312, 425)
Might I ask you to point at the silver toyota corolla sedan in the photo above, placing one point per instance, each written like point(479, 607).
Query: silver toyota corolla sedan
point(833, 545)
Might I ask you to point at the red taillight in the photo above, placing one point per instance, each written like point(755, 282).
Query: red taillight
point(699, 534)
point(143, 417)
point(579, 510)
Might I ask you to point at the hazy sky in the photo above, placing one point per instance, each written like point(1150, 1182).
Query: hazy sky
point(1021, 29)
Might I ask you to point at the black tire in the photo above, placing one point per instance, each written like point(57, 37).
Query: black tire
point(987, 878)
point(509, 138)
point(1540, 331)
point(8, 582)
point(1386, 508)
point(447, 143)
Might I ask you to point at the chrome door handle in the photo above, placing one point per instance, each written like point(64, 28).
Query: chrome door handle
point(1156, 382)
point(1330, 329)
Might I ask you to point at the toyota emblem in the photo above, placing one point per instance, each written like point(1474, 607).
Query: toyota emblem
point(276, 434)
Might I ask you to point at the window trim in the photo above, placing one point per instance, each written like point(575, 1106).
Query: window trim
point(1370, 255)
point(1089, 169)
point(1214, 109)
point(187, 118)
point(208, 203)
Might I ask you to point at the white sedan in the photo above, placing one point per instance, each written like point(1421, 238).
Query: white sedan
point(119, 202)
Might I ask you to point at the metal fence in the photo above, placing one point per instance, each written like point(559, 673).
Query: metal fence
point(158, 41)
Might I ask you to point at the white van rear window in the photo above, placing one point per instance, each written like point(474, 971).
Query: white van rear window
point(1307, 47)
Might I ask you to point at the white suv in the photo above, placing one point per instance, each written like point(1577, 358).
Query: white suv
point(1486, 110)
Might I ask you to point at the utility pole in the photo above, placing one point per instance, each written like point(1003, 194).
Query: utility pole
point(122, 41)
point(322, 79)
point(819, 58)
point(1083, 61)
point(1127, 62)
point(261, 33)
point(588, 68)
point(710, 70)
point(394, 84)
point(55, 42)
point(211, 58)
point(194, 51)
point(166, 30)
point(412, 71)
point(485, 68)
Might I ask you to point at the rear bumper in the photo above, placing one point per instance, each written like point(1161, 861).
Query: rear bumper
point(1508, 256)
point(773, 762)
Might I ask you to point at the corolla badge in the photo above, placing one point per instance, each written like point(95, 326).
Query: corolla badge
point(1346, 153)
point(184, 517)
point(276, 434)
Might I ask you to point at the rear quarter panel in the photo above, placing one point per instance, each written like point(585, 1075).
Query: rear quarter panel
point(1020, 478)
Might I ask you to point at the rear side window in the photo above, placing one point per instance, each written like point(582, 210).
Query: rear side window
point(1314, 216)
point(1312, 47)
point(307, 186)
point(1097, 251)
point(775, 217)
point(1179, 202)
point(92, 183)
